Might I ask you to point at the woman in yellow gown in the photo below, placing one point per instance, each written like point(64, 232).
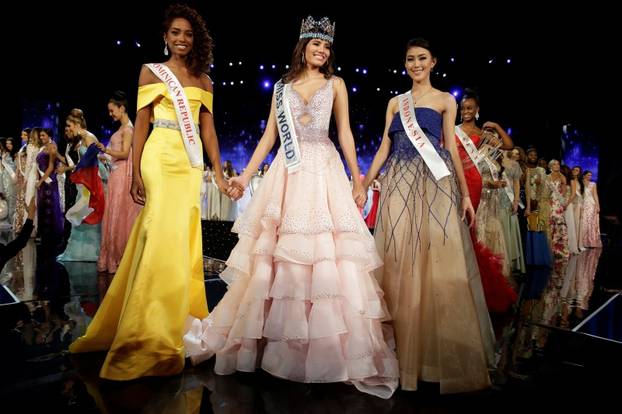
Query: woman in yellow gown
point(159, 282)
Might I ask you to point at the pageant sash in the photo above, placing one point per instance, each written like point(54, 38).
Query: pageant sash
point(494, 171)
point(509, 190)
point(70, 162)
point(9, 170)
point(41, 173)
point(469, 147)
point(285, 125)
point(184, 114)
point(419, 140)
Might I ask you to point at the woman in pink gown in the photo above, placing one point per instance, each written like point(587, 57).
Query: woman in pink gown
point(121, 211)
point(590, 218)
point(302, 302)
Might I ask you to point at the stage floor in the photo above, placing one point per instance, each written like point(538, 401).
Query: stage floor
point(561, 339)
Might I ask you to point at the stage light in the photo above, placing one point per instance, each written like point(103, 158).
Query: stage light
point(137, 44)
point(394, 70)
point(241, 82)
point(452, 59)
point(403, 72)
point(266, 84)
point(211, 65)
point(378, 89)
point(273, 66)
point(118, 43)
point(286, 66)
point(354, 89)
point(260, 67)
point(232, 82)
point(491, 60)
point(508, 61)
point(364, 71)
point(357, 70)
point(444, 75)
point(339, 68)
point(240, 63)
point(224, 84)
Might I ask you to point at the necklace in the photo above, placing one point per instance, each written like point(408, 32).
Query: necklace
point(420, 96)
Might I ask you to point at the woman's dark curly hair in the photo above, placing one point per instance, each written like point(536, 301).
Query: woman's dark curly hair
point(200, 57)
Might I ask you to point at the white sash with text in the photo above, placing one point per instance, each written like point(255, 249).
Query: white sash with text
point(286, 127)
point(184, 114)
point(422, 144)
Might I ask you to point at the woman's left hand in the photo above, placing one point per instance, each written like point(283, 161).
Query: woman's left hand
point(359, 195)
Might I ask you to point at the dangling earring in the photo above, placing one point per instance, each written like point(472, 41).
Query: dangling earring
point(477, 116)
point(303, 58)
point(165, 48)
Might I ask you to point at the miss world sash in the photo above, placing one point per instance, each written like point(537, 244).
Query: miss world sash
point(184, 114)
point(469, 146)
point(419, 140)
point(287, 130)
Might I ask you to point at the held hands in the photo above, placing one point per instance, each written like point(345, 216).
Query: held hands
point(234, 187)
point(359, 194)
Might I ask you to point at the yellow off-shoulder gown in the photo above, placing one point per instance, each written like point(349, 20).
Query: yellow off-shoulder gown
point(160, 279)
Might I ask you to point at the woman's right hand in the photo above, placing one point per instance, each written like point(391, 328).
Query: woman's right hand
point(138, 190)
point(240, 181)
point(237, 185)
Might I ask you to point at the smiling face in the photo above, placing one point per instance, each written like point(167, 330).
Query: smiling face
point(73, 127)
point(468, 109)
point(317, 52)
point(419, 63)
point(115, 111)
point(44, 138)
point(179, 37)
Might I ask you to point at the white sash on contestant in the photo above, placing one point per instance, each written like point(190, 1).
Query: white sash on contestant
point(48, 180)
point(509, 185)
point(70, 162)
point(422, 144)
point(286, 127)
point(184, 114)
point(469, 146)
point(31, 173)
point(9, 170)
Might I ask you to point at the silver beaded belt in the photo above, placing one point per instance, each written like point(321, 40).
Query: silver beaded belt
point(166, 123)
